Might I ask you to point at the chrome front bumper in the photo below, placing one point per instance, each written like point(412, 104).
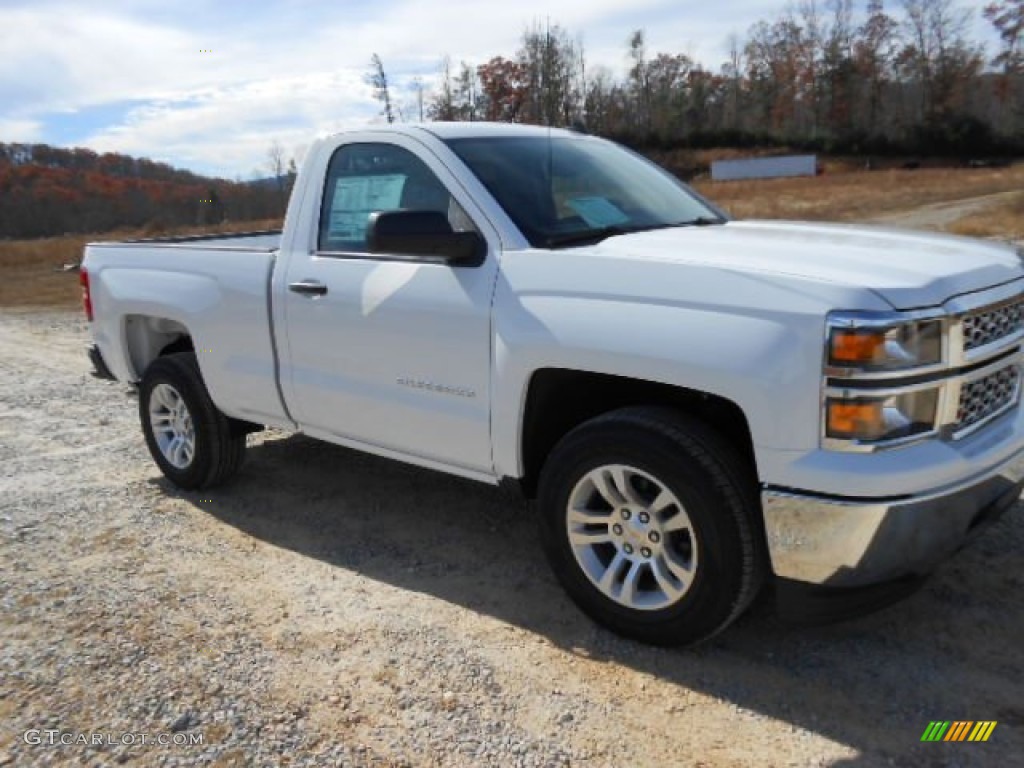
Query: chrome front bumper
point(861, 542)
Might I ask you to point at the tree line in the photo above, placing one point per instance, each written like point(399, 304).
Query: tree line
point(824, 75)
point(47, 191)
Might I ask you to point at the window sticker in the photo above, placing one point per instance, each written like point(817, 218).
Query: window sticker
point(356, 197)
point(597, 211)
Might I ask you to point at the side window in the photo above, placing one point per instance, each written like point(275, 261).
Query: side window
point(365, 178)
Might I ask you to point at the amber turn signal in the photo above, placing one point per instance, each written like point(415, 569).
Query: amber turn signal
point(857, 346)
point(852, 419)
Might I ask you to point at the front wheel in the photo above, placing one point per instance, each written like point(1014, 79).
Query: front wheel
point(647, 518)
point(193, 443)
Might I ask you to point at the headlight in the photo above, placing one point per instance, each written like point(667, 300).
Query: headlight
point(864, 418)
point(871, 343)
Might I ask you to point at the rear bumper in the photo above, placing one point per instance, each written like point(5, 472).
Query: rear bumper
point(865, 543)
point(99, 365)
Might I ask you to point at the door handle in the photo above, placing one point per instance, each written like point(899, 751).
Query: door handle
point(308, 287)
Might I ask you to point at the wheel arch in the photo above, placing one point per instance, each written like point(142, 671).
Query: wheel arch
point(557, 400)
point(148, 337)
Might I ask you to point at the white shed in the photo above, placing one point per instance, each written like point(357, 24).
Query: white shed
point(764, 167)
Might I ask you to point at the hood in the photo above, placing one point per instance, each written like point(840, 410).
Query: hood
point(907, 269)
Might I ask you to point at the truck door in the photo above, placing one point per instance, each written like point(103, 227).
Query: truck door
point(388, 352)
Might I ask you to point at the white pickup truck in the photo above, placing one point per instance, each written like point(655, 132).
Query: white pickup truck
point(700, 406)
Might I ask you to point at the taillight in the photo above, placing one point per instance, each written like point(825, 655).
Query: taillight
point(83, 279)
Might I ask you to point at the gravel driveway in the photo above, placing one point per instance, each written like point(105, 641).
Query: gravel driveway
point(330, 608)
point(938, 216)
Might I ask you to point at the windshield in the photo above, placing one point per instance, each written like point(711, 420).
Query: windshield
point(564, 191)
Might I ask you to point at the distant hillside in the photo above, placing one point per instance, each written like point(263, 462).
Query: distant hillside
point(48, 191)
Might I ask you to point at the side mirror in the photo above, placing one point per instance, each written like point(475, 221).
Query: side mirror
point(425, 236)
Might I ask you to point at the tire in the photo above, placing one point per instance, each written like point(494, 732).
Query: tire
point(648, 520)
point(193, 443)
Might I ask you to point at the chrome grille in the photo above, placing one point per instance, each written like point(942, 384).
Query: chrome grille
point(993, 323)
point(985, 397)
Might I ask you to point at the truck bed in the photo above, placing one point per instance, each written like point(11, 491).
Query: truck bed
point(263, 240)
point(215, 289)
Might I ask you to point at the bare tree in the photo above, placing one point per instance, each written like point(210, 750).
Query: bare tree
point(581, 83)
point(293, 173)
point(442, 106)
point(874, 56)
point(417, 85)
point(550, 67)
point(466, 91)
point(639, 78)
point(275, 163)
point(939, 56)
point(733, 71)
point(808, 41)
point(275, 159)
point(775, 74)
point(1007, 17)
point(602, 110)
point(377, 78)
point(839, 76)
point(669, 83)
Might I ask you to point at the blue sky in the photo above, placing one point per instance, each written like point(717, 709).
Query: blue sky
point(208, 85)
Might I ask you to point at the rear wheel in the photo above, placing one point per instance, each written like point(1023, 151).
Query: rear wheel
point(647, 519)
point(193, 443)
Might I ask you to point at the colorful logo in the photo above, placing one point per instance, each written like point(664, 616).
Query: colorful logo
point(959, 730)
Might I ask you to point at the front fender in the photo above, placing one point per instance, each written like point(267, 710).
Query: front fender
point(756, 341)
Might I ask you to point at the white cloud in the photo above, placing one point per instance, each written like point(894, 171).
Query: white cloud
point(57, 57)
point(228, 130)
point(60, 59)
point(471, 30)
point(20, 131)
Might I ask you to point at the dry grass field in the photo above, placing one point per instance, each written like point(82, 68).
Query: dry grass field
point(30, 273)
point(862, 195)
point(29, 276)
point(1005, 219)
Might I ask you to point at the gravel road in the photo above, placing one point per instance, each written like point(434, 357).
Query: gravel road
point(939, 216)
point(330, 608)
